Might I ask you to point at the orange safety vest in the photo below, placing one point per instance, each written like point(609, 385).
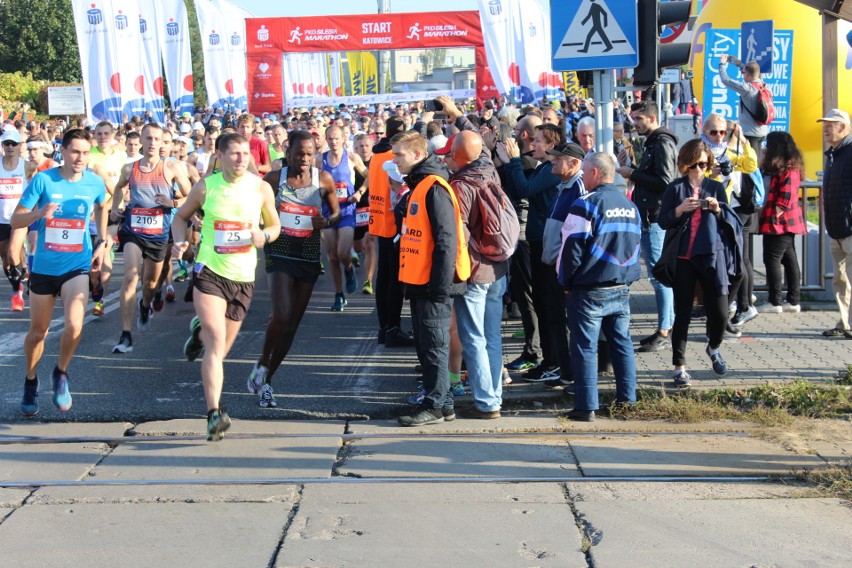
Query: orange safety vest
point(382, 222)
point(416, 245)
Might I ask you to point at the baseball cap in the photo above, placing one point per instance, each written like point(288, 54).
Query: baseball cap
point(185, 128)
point(183, 139)
point(437, 142)
point(835, 115)
point(197, 126)
point(447, 147)
point(488, 105)
point(186, 115)
point(568, 149)
point(11, 135)
point(393, 171)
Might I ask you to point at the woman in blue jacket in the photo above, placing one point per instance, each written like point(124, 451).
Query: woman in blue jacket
point(692, 211)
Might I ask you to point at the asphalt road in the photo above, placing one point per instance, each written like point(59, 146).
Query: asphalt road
point(334, 370)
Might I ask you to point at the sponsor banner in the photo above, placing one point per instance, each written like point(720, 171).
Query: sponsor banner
point(173, 35)
point(94, 23)
point(268, 38)
point(388, 98)
point(307, 75)
point(517, 43)
point(222, 29)
point(721, 100)
point(151, 83)
point(363, 73)
point(127, 43)
point(335, 74)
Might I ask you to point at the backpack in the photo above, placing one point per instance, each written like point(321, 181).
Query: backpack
point(500, 226)
point(752, 192)
point(765, 112)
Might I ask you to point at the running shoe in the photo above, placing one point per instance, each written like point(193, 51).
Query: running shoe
point(682, 379)
point(457, 389)
point(417, 397)
point(719, 366)
point(537, 374)
point(339, 303)
point(181, 275)
point(143, 318)
point(17, 303)
point(322, 268)
point(193, 346)
point(218, 423)
point(61, 394)
point(768, 308)
point(786, 307)
point(170, 293)
point(29, 404)
point(257, 377)
point(356, 260)
point(267, 400)
point(367, 288)
point(98, 310)
point(351, 281)
point(98, 292)
point(422, 416)
point(158, 302)
point(521, 364)
point(124, 345)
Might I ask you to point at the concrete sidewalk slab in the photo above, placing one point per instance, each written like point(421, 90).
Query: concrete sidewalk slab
point(141, 536)
point(199, 427)
point(49, 462)
point(11, 498)
point(686, 455)
point(543, 423)
point(506, 525)
point(450, 457)
point(744, 532)
point(682, 491)
point(257, 458)
point(126, 494)
point(63, 429)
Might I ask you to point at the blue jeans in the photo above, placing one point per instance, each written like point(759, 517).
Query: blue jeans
point(479, 315)
point(651, 246)
point(589, 311)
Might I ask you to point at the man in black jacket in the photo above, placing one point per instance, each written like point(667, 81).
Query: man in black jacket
point(429, 251)
point(837, 193)
point(656, 169)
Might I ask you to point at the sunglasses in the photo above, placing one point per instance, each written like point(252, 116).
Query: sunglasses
point(10, 143)
point(716, 132)
point(699, 165)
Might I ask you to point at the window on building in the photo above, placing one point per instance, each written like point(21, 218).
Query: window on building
point(405, 59)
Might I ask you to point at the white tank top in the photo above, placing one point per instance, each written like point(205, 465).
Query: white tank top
point(12, 186)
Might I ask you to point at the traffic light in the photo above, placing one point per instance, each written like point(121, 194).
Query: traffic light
point(653, 16)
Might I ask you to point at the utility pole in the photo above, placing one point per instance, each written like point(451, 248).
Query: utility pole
point(384, 55)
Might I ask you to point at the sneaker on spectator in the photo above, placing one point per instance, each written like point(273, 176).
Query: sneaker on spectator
point(768, 308)
point(422, 416)
point(521, 364)
point(719, 366)
point(787, 307)
point(682, 379)
point(659, 343)
point(742, 318)
point(537, 374)
point(457, 389)
point(417, 398)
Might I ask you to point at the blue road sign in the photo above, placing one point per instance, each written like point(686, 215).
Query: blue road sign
point(594, 34)
point(756, 43)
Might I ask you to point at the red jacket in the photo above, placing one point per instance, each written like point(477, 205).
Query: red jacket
point(781, 213)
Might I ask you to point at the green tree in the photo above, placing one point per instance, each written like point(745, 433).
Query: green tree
point(38, 37)
point(198, 85)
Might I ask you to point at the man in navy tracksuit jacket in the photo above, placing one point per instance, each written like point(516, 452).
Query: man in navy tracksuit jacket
point(598, 262)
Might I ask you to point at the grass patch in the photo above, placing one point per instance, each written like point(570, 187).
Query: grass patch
point(835, 482)
point(768, 405)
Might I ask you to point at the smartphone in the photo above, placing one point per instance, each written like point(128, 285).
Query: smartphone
point(433, 106)
point(704, 204)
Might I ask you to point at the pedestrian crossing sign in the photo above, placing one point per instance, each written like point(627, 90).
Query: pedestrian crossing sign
point(594, 34)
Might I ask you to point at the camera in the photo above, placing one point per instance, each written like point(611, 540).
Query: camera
point(433, 106)
point(725, 166)
point(704, 204)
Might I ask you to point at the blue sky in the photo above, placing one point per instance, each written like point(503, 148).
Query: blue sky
point(261, 8)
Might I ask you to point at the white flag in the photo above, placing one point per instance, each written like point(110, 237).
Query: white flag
point(236, 32)
point(95, 24)
point(173, 32)
point(517, 44)
point(214, 45)
point(152, 80)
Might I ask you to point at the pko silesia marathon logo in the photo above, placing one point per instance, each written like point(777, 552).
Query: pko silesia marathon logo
point(214, 38)
point(495, 7)
point(263, 34)
point(143, 25)
point(236, 39)
point(121, 21)
point(94, 15)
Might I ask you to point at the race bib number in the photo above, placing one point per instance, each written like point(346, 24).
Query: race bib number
point(230, 237)
point(11, 188)
point(362, 216)
point(65, 235)
point(296, 219)
point(146, 221)
point(342, 190)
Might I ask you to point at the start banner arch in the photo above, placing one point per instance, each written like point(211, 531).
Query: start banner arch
point(268, 39)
